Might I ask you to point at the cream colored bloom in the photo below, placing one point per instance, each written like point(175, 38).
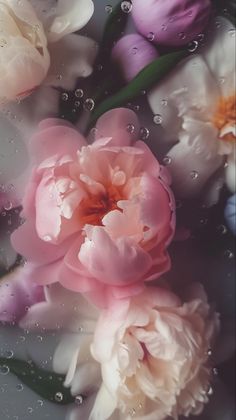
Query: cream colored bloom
point(25, 34)
point(153, 352)
point(197, 104)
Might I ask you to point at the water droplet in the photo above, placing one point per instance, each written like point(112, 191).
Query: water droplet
point(134, 50)
point(157, 119)
point(79, 93)
point(166, 160)
point(126, 6)
point(40, 402)
point(8, 205)
point(164, 102)
point(130, 128)
point(209, 352)
point(77, 104)
point(210, 391)
point(19, 387)
point(79, 399)
point(58, 397)
point(9, 354)
point(193, 46)
point(108, 9)
point(215, 371)
point(222, 229)
point(151, 36)
point(64, 96)
point(229, 254)
point(194, 174)
point(144, 133)
point(182, 35)
point(30, 410)
point(4, 370)
point(200, 37)
point(47, 238)
point(89, 104)
point(232, 33)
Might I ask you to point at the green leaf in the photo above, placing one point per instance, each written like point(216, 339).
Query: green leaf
point(149, 76)
point(48, 385)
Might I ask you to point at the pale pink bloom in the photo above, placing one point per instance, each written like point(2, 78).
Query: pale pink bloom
point(154, 355)
point(198, 119)
point(99, 217)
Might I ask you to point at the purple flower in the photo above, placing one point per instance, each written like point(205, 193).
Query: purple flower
point(132, 53)
point(171, 22)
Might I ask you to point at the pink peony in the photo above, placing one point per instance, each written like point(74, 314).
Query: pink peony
point(99, 217)
point(154, 355)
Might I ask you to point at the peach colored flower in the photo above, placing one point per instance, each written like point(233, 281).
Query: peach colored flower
point(98, 217)
point(153, 351)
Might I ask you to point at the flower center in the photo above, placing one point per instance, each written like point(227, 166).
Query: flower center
point(225, 118)
point(95, 207)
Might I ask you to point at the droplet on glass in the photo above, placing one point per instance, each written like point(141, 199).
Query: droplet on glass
point(47, 238)
point(209, 352)
point(164, 102)
point(210, 391)
point(126, 6)
point(144, 133)
point(79, 399)
point(134, 50)
point(151, 36)
point(64, 96)
point(182, 35)
point(79, 93)
point(157, 119)
point(232, 33)
point(194, 174)
point(215, 371)
point(58, 397)
point(193, 46)
point(4, 370)
point(77, 104)
point(9, 354)
point(108, 9)
point(130, 128)
point(89, 104)
point(228, 254)
point(222, 229)
point(166, 160)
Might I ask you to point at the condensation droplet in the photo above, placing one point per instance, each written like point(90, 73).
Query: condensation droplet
point(30, 410)
point(79, 399)
point(126, 6)
point(19, 387)
point(222, 229)
point(77, 104)
point(193, 46)
point(108, 9)
point(157, 119)
point(58, 397)
point(164, 102)
point(232, 33)
point(215, 371)
point(79, 93)
point(144, 133)
point(194, 174)
point(64, 96)
point(8, 205)
point(130, 128)
point(182, 35)
point(47, 238)
point(4, 370)
point(151, 36)
point(166, 160)
point(228, 254)
point(9, 354)
point(134, 50)
point(210, 391)
point(209, 352)
point(89, 104)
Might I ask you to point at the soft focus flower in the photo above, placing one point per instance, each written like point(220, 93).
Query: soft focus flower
point(171, 22)
point(200, 113)
point(154, 355)
point(230, 213)
point(69, 312)
point(132, 53)
point(17, 294)
point(25, 57)
point(99, 217)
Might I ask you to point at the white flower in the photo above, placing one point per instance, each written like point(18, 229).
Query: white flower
point(154, 357)
point(197, 105)
point(25, 37)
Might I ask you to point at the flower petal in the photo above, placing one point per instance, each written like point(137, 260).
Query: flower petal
point(71, 16)
point(230, 172)
point(120, 124)
point(104, 405)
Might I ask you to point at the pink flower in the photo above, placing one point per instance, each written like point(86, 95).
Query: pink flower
point(171, 22)
point(132, 53)
point(98, 217)
point(154, 355)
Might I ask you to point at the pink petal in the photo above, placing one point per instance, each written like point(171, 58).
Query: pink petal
point(17, 293)
point(59, 140)
point(27, 243)
point(113, 262)
point(121, 124)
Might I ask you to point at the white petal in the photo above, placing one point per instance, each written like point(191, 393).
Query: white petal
point(71, 58)
point(189, 85)
point(219, 54)
point(67, 348)
point(230, 172)
point(87, 377)
point(194, 159)
point(104, 405)
point(82, 411)
point(70, 16)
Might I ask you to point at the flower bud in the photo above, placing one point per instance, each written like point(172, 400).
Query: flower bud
point(171, 22)
point(132, 53)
